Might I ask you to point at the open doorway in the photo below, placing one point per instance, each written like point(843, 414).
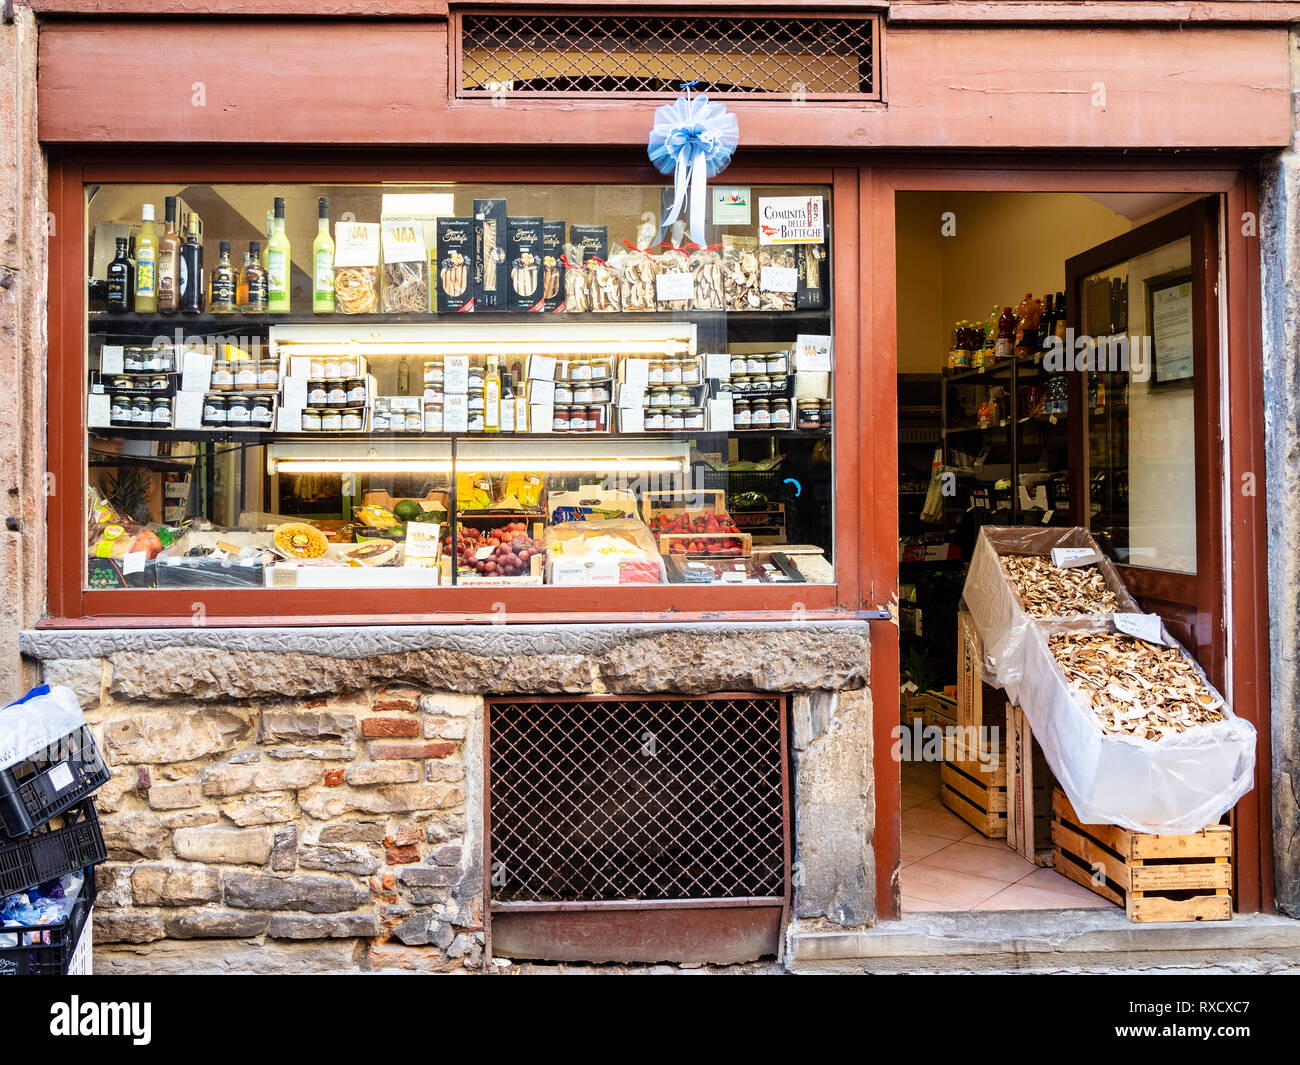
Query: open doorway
point(989, 433)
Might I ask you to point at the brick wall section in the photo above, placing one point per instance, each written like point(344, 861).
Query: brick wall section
point(292, 820)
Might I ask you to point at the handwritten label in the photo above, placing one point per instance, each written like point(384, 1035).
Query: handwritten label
point(455, 413)
point(674, 286)
point(1144, 626)
point(111, 359)
point(1072, 557)
point(778, 279)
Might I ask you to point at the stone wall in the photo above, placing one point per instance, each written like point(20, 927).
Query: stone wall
point(311, 799)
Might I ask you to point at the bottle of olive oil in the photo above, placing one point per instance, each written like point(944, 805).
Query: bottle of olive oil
point(277, 265)
point(146, 264)
point(492, 396)
point(322, 261)
point(254, 281)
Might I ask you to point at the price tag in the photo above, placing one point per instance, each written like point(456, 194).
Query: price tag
point(196, 371)
point(541, 367)
point(188, 410)
point(60, 777)
point(778, 279)
point(486, 551)
point(674, 286)
point(1144, 626)
point(1047, 517)
point(455, 375)
point(1070, 557)
point(718, 365)
point(99, 411)
point(636, 372)
point(1052, 418)
point(731, 576)
point(541, 391)
point(722, 413)
point(110, 359)
point(133, 561)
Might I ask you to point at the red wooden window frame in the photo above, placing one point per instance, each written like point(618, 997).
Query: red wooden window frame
point(68, 601)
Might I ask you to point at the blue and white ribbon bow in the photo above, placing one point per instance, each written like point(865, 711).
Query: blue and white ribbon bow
point(692, 139)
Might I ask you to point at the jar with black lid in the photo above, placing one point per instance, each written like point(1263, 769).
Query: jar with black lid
point(238, 414)
point(259, 411)
point(214, 410)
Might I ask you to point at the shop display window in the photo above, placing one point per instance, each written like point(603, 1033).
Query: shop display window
point(396, 386)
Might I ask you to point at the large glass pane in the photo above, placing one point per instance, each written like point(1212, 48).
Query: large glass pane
point(1137, 317)
point(403, 386)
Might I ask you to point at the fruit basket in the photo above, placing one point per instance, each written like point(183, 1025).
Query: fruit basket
point(696, 531)
point(495, 554)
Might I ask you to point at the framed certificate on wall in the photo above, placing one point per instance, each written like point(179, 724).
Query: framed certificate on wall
point(1169, 312)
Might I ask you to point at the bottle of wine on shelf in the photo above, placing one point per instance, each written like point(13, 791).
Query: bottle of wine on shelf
point(278, 265)
point(492, 396)
point(254, 281)
point(192, 269)
point(223, 283)
point(322, 261)
point(146, 264)
point(121, 280)
point(169, 251)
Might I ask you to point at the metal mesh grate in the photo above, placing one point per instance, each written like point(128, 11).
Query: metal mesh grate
point(641, 798)
point(559, 54)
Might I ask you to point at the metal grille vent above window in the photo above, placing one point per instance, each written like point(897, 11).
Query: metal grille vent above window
point(645, 797)
point(547, 55)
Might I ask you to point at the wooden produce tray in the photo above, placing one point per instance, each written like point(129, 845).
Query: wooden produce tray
point(667, 504)
point(975, 790)
point(1155, 878)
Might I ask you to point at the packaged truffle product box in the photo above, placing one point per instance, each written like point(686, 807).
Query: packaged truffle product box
point(490, 281)
point(455, 264)
point(814, 277)
point(524, 259)
point(593, 240)
point(553, 266)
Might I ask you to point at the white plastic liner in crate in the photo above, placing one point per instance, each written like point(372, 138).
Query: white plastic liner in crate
point(82, 961)
point(37, 722)
point(1175, 785)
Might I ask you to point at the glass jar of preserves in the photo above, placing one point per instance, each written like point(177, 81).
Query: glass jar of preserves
point(690, 371)
point(600, 393)
point(776, 362)
point(141, 411)
point(338, 393)
point(679, 397)
point(245, 374)
point(742, 414)
point(596, 419)
point(331, 421)
point(582, 394)
point(579, 369)
point(601, 367)
point(378, 420)
point(755, 364)
point(738, 365)
point(238, 415)
point(311, 420)
point(433, 394)
point(824, 406)
point(119, 411)
point(563, 395)
point(413, 422)
point(223, 377)
point(742, 384)
point(475, 378)
point(268, 374)
point(658, 396)
point(318, 393)
point(214, 410)
point(655, 375)
point(349, 364)
point(475, 404)
point(673, 419)
point(259, 411)
point(672, 371)
point(560, 419)
point(808, 414)
point(780, 414)
point(353, 418)
point(654, 420)
point(433, 372)
point(356, 392)
point(693, 419)
point(762, 414)
point(316, 366)
point(159, 383)
point(577, 419)
point(121, 384)
point(333, 368)
point(433, 419)
point(134, 359)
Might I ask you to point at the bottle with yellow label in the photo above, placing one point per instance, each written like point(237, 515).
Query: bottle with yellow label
point(146, 264)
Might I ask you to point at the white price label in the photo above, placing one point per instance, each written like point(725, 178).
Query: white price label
point(778, 279)
point(455, 414)
point(486, 551)
point(111, 359)
point(1071, 557)
point(1144, 626)
point(59, 777)
point(133, 561)
point(674, 286)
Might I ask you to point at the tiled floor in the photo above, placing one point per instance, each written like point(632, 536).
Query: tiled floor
point(947, 865)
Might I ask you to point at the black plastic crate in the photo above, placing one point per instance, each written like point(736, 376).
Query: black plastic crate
point(47, 853)
point(47, 950)
point(48, 782)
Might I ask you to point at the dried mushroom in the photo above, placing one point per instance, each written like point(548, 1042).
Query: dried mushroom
point(1048, 591)
point(1133, 687)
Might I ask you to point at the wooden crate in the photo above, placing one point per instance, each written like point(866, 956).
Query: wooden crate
point(1030, 785)
point(979, 705)
point(975, 790)
point(940, 711)
point(1155, 878)
point(671, 505)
